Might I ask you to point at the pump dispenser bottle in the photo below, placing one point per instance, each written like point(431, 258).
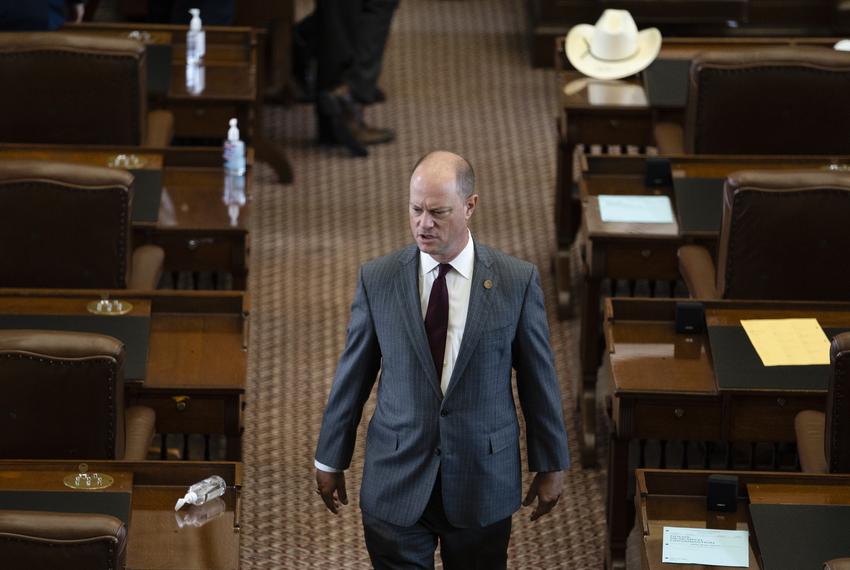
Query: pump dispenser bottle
point(203, 491)
point(196, 44)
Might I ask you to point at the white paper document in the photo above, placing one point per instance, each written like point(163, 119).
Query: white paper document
point(635, 209)
point(706, 546)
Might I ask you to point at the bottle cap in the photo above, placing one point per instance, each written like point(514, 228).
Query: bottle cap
point(195, 24)
point(233, 131)
point(190, 496)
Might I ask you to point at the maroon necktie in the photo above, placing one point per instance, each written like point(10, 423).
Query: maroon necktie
point(437, 318)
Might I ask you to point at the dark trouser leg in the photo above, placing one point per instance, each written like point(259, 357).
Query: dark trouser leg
point(373, 31)
point(393, 547)
point(476, 548)
point(338, 20)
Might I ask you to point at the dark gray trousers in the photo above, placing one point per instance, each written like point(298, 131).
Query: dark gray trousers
point(348, 38)
point(393, 547)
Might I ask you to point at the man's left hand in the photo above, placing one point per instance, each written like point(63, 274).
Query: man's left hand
point(547, 488)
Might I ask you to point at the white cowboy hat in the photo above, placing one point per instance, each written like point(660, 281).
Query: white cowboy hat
point(613, 48)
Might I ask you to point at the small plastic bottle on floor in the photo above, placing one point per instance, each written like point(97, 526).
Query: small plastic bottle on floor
point(196, 41)
point(203, 491)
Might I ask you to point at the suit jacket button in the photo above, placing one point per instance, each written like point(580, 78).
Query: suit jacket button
point(444, 413)
point(437, 451)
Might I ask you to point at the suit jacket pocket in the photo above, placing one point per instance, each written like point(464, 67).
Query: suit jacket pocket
point(503, 438)
point(381, 437)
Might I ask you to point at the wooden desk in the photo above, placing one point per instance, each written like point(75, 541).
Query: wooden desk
point(586, 120)
point(194, 225)
point(639, 251)
point(155, 540)
point(233, 83)
point(551, 20)
point(663, 387)
point(678, 498)
point(196, 361)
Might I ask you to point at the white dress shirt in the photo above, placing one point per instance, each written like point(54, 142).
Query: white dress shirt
point(459, 285)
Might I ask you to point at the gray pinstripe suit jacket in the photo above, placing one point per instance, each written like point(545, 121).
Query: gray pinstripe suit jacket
point(471, 435)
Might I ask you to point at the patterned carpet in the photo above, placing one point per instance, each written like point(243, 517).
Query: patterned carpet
point(457, 77)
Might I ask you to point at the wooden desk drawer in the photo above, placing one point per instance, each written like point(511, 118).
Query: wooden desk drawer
point(642, 261)
point(192, 119)
point(202, 251)
point(769, 417)
point(675, 419)
point(191, 413)
point(613, 128)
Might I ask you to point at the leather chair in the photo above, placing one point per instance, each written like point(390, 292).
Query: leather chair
point(837, 564)
point(70, 541)
point(764, 101)
point(74, 89)
point(779, 238)
point(63, 398)
point(823, 439)
point(68, 226)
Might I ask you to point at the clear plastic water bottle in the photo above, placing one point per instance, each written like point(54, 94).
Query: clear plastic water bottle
point(203, 491)
point(196, 41)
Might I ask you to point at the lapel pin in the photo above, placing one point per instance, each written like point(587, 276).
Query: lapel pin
point(488, 284)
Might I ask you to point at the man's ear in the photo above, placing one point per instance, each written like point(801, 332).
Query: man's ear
point(471, 202)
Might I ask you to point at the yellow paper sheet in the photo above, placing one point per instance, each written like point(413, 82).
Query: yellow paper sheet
point(788, 342)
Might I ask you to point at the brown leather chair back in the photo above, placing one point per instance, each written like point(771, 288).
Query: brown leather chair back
point(782, 235)
point(64, 226)
point(836, 438)
point(69, 88)
point(769, 101)
point(63, 395)
point(70, 541)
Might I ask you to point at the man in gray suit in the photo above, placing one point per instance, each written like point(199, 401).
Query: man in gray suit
point(444, 320)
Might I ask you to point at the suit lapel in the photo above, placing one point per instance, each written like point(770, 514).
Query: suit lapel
point(410, 309)
point(480, 299)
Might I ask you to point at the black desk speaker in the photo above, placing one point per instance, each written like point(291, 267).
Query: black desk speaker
point(722, 493)
point(658, 172)
point(690, 317)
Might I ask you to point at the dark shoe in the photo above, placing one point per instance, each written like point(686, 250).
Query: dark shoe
point(374, 135)
point(339, 119)
point(376, 96)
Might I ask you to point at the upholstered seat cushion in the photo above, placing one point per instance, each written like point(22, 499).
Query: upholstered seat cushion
point(71, 541)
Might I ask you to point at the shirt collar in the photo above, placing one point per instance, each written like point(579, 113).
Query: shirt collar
point(462, 263)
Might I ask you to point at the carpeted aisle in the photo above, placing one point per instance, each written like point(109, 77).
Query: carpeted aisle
point(457, 77)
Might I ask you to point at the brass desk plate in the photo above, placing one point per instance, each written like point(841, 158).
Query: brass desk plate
point(109, 308)
point(88, 481)
point(127, 161)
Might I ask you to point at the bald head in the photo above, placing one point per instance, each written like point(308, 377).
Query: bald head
point(446, 167)
point(442, 201)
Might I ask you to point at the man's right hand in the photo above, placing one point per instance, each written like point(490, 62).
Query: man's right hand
point(331, 487)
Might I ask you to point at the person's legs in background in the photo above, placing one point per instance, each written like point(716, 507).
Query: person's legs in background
point(340, 117)
point(373, 31)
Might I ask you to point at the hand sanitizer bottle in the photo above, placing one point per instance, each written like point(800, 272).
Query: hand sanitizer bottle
point(204, 491)
point(196, 41)
point(234, 173)
point(234, 151)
